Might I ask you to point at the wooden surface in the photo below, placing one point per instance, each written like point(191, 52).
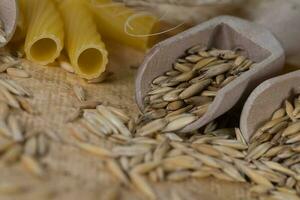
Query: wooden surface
point(76, 175)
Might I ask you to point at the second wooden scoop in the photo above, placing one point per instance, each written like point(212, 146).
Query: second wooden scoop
point(224, 32)
point(8, 15)
point(265, 99)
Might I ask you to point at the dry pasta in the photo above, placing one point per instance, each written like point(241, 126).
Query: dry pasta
point(45, 33)
point(85, 48)
point(117, 22)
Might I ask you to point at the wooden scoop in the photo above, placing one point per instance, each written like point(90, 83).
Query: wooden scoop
point(265, 99)
point(8, 15)
point(224, 32)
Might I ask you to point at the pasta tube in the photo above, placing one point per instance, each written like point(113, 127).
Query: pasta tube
point(117, 22)
point(85, 48)
point(45, 33)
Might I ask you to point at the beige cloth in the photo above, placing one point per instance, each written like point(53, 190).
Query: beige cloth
point(281, 17)
point(76, 175)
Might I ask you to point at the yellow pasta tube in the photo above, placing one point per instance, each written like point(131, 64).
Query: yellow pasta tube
point(45, 32)
point(85, 48)
point(122, 24)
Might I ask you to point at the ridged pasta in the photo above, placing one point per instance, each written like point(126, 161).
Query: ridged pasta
point(111, 19)
point(45, 32)
point(85, 48)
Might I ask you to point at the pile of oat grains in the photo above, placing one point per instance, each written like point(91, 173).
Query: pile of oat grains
point(149, 148)
point(19, 143)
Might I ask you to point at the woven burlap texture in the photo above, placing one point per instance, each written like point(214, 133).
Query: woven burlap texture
point(75, 175)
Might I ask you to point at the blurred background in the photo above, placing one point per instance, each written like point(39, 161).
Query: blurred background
point(281, 17)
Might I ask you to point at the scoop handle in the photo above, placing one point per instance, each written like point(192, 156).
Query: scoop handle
point(9, 16)
point(283, 20)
